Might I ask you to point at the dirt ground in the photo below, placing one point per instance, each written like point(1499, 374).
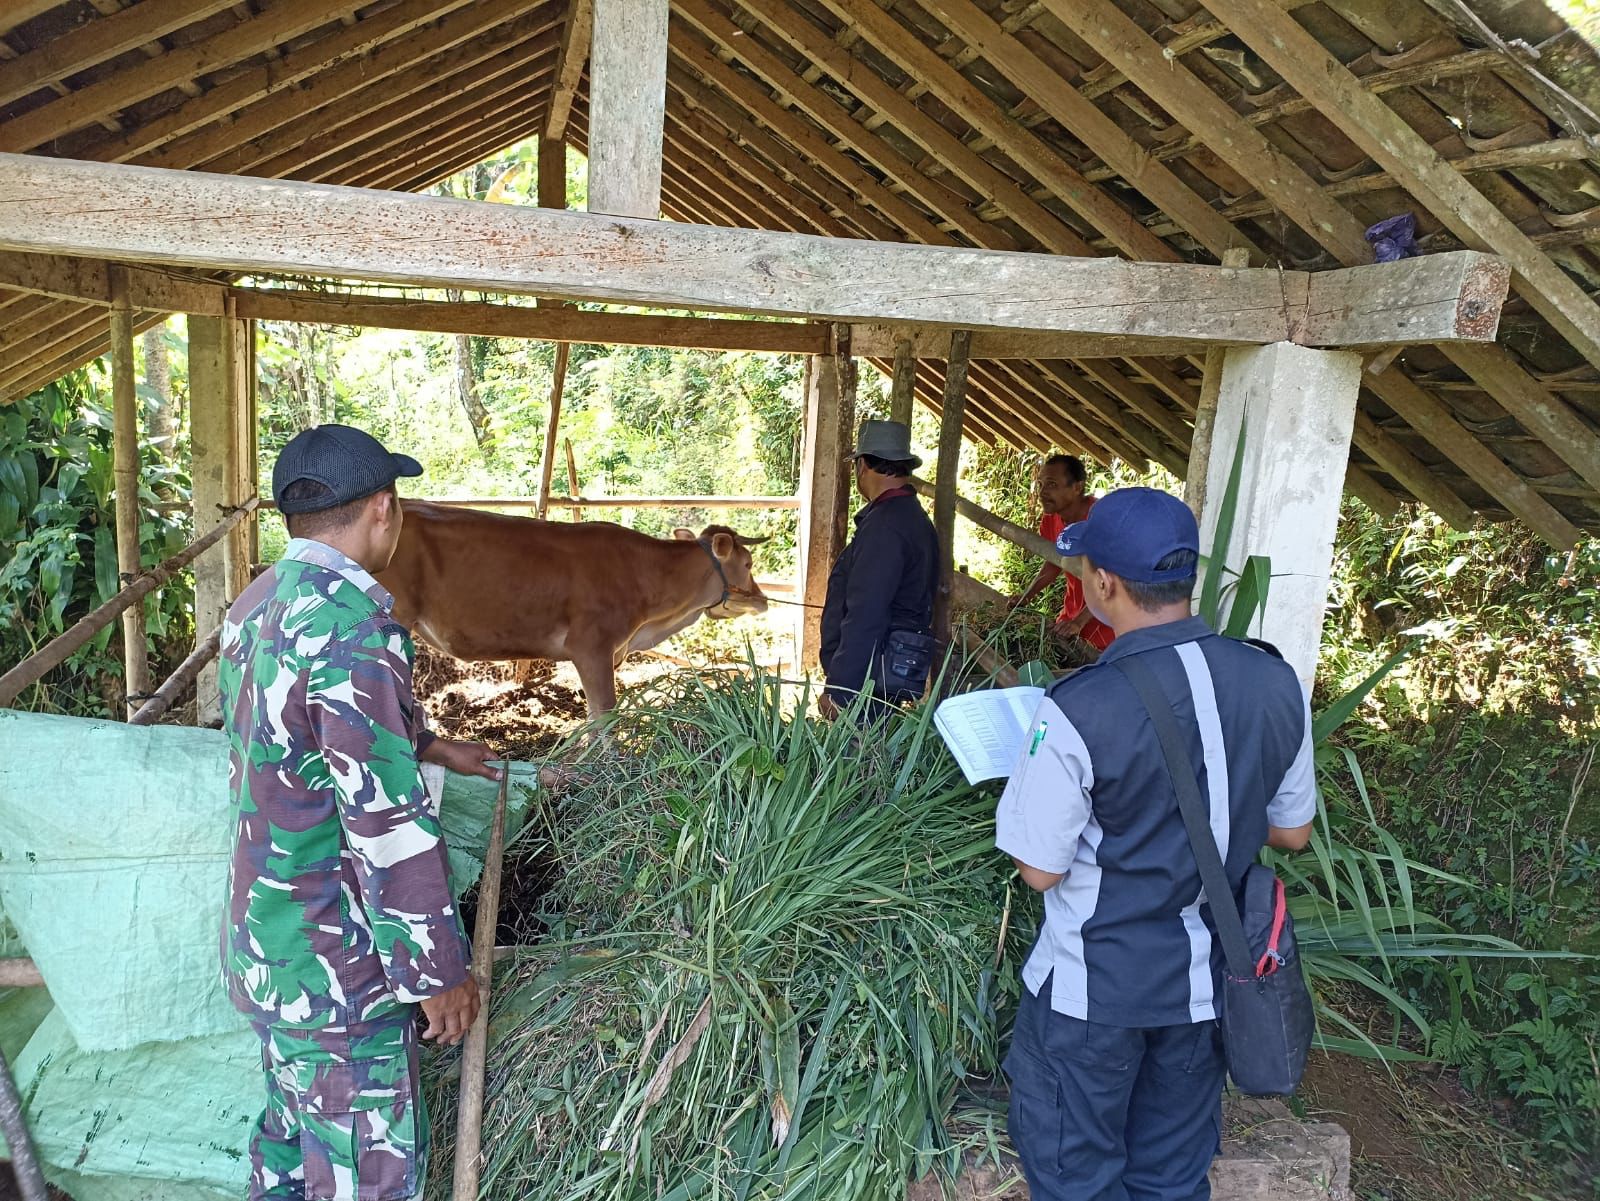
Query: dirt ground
point(1417, 1135)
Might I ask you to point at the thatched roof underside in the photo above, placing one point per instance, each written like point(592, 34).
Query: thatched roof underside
point(995, 123)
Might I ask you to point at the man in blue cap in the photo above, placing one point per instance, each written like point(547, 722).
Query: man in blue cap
point(340, 921)
point(1115, 1063)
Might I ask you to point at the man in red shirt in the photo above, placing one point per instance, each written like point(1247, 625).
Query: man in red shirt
point(1062, 483)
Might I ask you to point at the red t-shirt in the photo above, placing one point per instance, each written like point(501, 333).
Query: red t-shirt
point(1095, 633)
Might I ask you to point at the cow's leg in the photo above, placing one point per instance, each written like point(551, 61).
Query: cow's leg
point(599, 680)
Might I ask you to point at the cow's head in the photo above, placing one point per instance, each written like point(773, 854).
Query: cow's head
point(731, 550)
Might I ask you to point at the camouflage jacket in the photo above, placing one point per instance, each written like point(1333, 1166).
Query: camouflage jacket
point(339, 907)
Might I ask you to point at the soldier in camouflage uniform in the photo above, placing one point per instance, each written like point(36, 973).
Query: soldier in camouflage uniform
point(340, 919)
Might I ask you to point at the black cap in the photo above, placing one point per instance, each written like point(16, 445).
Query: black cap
point(350, 463)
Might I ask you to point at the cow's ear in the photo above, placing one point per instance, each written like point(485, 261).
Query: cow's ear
point(723, 545)
point(684, 534)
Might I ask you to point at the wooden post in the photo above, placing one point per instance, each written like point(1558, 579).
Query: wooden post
point(552, 193)
point(249, 474)
point(572, 481)
point(547, 466)
point(826, 440)
point(905, 381)
point(1205, 416)
point(843, 365)
point(627, 106)
point(952, 411)
point(475, 1052)
point(125, 472)
point(1297, 409)
point(214, 416)
point(239, 555)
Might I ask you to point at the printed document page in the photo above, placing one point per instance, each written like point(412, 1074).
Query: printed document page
point(985, 730)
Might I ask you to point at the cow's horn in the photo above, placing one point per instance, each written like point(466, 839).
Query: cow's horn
point(743, 541)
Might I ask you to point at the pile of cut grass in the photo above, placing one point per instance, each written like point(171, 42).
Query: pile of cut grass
point(778, 950)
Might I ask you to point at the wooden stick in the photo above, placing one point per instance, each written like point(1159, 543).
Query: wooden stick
point(998, 526)
point(547, 465)
point(125, 470)
point(905, 381)
point(987, 658)
point(58, 650)
point(572, 482)
point(179, 682)
point(944, 494)
point(475, 1053)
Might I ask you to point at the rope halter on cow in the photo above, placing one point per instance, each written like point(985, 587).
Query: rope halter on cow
point(727, 588)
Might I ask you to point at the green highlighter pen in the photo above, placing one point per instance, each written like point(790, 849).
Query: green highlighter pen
point(1038, 737)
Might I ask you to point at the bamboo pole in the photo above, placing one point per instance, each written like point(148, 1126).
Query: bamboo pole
point(547, 466)
point(1205, 415)
point(1009, 530)
point(475, 1053)
point(125, 471)
point(572, 482)
point(59, 649)
point(180, 681)
point(951, 414)
point(905, 381)
point(844, 373)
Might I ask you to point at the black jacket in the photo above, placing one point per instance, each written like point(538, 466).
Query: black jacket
point(884, 581)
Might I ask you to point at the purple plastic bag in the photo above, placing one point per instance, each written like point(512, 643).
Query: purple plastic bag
point(1394, 238)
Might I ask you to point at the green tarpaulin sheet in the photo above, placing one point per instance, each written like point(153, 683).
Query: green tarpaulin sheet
point(142, 1082)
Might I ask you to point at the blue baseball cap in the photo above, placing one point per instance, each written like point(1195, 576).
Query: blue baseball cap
point(1130, 530)
point(350, 463)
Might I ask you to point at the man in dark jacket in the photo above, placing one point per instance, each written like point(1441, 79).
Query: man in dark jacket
point(884, 582)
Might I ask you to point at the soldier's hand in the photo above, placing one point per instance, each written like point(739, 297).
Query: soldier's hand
point(826, 707)
point(451, 1014)
point(466, 758)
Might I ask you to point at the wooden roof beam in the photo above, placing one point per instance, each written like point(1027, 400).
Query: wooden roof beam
point(569, 67)
point(627, 106)
point(1103, 136)
point(1104, 27)
point(230, 104)
point(934, 139)
point(792, 168)
point(463, 50)
point(221, 222)
point(1024, 148)
point(20, 12)
point(1379, 131)
point(96, 41)
point(839, 123)
point(1435, 422)
point(806, 138)
point(281, 23)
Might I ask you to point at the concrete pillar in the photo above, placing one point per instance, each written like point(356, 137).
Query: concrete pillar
point(1297, 409)
point(215, 414)
point(823, 474)
point(627, 106)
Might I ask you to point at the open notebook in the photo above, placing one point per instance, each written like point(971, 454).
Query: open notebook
point(985, 730)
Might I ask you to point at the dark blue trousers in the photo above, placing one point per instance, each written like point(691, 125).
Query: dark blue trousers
point(1108, 1113)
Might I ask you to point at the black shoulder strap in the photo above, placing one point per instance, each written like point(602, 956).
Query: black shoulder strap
point(1224, 909)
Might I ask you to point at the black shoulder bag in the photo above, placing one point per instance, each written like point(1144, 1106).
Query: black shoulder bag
point(1264, 1009)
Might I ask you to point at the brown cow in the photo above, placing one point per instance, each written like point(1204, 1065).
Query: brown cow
point(484, 586)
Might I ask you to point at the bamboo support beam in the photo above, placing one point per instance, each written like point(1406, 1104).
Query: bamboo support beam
point(572, 482)
point(905, 381)
point(949, 469)
point(547, 464)
point(1010, 531)
point(59, 649)
point(475, 1052)
point(125, 471)
point(179, 682)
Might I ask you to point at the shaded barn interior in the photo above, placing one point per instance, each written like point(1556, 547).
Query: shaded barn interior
point(1157, 132)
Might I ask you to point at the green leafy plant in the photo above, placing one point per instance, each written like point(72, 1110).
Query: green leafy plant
point(57, 548)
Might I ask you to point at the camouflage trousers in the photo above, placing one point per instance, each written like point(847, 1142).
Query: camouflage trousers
point(345, 1119)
